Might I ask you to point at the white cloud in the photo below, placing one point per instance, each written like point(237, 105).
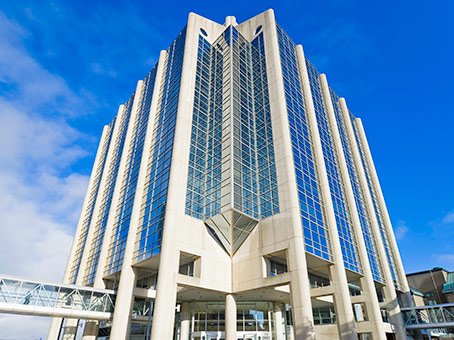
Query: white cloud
point(401, 230)
point(31, 84)
point(448, 218)
point(40, 196)
point(101, 70)
point(31, 138)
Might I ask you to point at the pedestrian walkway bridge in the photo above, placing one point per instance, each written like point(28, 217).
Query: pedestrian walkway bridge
point(429, 317)
point(20, 296)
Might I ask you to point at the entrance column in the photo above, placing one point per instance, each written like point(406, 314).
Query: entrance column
point(230, 317)
point(279, 321)
point(185, 321)
point(91, 330)
point(69, 329)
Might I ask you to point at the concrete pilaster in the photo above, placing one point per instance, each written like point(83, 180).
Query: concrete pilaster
point(164, 309)
point(367, 282)
point(344, 312)
point(389, 290)
point(69, 331)
point(90, 330)
point(279, 321)
point(384, 210)
point(101, 199)
point(185, 321)
point(392, 303)
point(288, 192)
point(230, 317)
point(54, 328)
point(115, 197)
point(56, 323)
point(125, 297)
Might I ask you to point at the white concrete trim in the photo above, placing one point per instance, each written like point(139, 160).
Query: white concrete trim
point(185, 322)
point(345, 317)
point(368, 285)
point(279, 323)
point(57, 322)
point(389, 291)
point(230, 317)
point(120, 174)
point(104, 139)
point(383, 207)
point(287, 187)
point(125, 297)
point(164, 315)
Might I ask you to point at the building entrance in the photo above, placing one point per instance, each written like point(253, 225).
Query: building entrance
point(239, 336)
point(254, 320)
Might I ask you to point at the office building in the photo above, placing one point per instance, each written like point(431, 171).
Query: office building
point(234, 196)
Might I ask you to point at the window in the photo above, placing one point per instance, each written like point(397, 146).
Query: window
point(354, 288)
point(189, 264)
point(323, 310)
point(148, 281)
point(277, 267)
point(276, 263)
point(359, 309)
point(316, 281)
point(380, 295)
point(187, 269)
point(384, 315)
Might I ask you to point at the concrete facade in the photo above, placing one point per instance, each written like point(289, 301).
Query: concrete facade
point(235, 197)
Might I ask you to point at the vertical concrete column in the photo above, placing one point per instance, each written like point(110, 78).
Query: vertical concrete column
point(185, 321)
point(125, 298)
point(230, 317)
point(104, 254)
point(107, 173)
point(65, 327)
point(54, 329)
point(390, 292)
point(117, 186)
point(384, 210)
point(56, 323)
point(90, 330)
point(344, 311)
point(70, 329)
point(166, 291)
point(367, 281)
point(288, 193)
point(279, 320)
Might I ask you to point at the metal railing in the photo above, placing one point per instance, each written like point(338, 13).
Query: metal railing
point(21, 296)
point(426, 317)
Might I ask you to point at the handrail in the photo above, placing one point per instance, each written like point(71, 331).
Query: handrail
point(31, 297)
point(430, 316)
point(49, 283)
point(444, 305)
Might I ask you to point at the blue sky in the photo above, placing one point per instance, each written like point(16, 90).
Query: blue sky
point(65, 66)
